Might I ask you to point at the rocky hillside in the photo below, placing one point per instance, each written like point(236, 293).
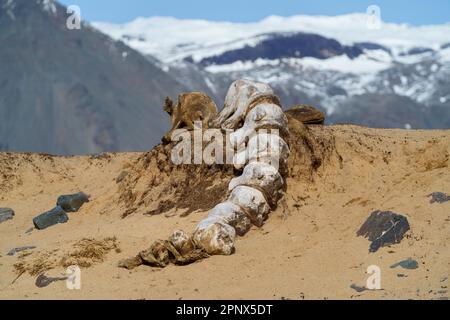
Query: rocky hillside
point(74, 91)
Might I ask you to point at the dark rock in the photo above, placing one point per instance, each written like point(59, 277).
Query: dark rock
point(50, 218)
point(407, 264)
point(358, 288)
point(439, 197)
point(383, 229)
point(43, 281)
point(6, 214)
point(73, 202)
point(12, 252)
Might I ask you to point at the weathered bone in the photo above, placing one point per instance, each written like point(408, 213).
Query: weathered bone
point(232, 215)
point(266, 148)
point(240, 97)
point(265, 151)
point(264, 155)
point(215, 236)
point(267, 116)
point(261, 176)
point(182, 242)
point(253, 202)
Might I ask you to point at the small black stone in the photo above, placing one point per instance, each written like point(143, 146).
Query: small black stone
point(439, 197)
point(383, 229)
point(6, 214)
point(407, 264)
point(358, 288)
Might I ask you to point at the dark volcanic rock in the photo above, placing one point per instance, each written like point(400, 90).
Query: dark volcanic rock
point(6, 214)
point(439, 197)
point(73, 202)
point(358, 288)
point(383, 229)
point(406, 264)
point(50, 218)
point(43, 281)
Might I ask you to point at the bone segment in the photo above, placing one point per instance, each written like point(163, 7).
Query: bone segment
point(262, 154)
point(238, 100)
point(263, 148)
point(261, 176)
point(215, 237)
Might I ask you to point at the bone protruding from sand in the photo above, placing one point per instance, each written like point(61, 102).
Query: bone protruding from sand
point(263, 159)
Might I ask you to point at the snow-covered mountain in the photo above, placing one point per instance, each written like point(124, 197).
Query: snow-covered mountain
point(331, 62)
point(77, 91)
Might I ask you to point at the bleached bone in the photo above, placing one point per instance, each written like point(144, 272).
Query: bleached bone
point(240, 97)
point(182, 242)
point(267, 116)
point(262, 176)
point(252, 201)
point(266, 148)
point(254, 110)
point(215, 237)
point(232, 215)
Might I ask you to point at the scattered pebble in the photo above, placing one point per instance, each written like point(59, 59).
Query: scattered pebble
point(6, 214)
point(406, 264)
point(358, 288)
point(43, 281)
point(439, 197)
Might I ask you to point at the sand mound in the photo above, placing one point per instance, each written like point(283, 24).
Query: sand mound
point(155, 185)
point(308, 248)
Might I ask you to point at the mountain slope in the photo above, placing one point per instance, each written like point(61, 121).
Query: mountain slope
point(335, 63)
point(74, 91)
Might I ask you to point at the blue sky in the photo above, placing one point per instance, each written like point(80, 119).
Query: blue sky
point(416, 12)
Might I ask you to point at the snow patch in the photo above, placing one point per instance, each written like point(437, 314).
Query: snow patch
point(172, 39)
